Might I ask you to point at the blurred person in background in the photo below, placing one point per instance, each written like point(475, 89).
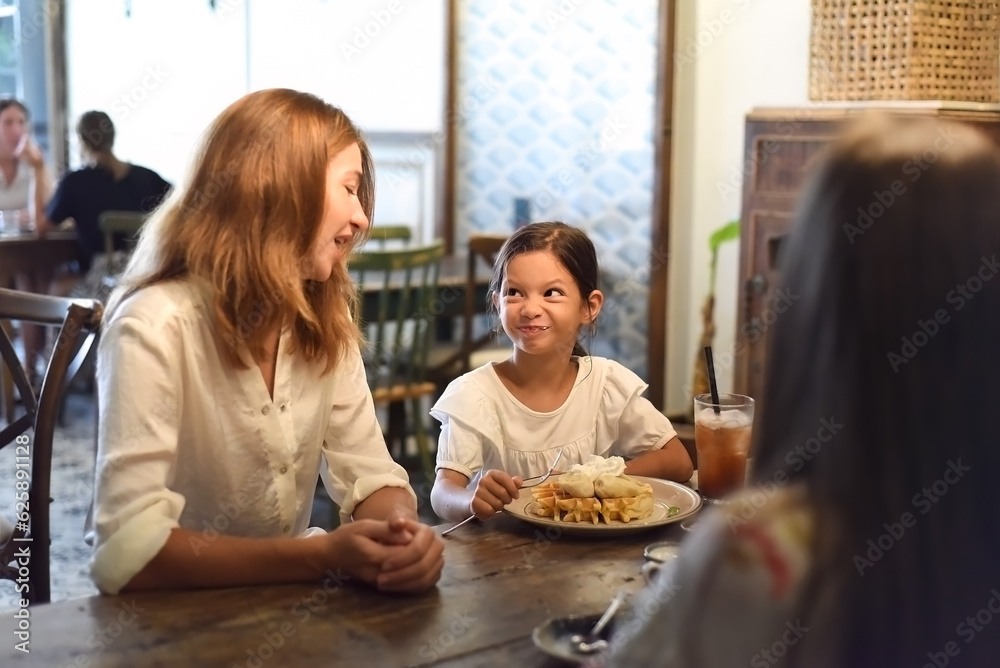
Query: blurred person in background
point(25, 187)
point(26, 183)
point(106, 183)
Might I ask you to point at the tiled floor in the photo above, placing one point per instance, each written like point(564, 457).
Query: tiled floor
point(72, 488)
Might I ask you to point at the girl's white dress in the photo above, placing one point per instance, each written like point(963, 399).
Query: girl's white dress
point(484, 427)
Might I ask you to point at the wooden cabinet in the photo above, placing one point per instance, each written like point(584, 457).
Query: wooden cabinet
point(779, 146)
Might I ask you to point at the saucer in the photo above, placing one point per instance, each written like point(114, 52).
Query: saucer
point(662, 551)
point(688, 524)
point(552, 636)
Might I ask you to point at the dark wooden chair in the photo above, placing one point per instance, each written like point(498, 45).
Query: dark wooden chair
point(450, 362)
point(6, 381)
point(399, 337)
point(32, 432)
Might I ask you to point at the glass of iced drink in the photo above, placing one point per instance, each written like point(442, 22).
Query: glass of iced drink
point(722, 440)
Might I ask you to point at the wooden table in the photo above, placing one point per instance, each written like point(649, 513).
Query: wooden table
point(27, 251)
point(501, 579)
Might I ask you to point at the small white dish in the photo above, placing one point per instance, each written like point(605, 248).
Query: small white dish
point(658, 555)
point(554, 636)
point(662, 551)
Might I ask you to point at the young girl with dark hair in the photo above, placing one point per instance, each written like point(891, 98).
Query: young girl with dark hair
point(507, 421)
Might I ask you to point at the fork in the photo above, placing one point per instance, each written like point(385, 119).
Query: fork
point(542, 477)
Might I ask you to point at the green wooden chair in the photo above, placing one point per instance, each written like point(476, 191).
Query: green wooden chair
point(121, 223)
point(103, 275)
point(399, 294)
point(383, 234)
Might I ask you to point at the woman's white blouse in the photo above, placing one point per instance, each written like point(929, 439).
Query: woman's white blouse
point(184, 440)
point(17, 194)
point(483, 426)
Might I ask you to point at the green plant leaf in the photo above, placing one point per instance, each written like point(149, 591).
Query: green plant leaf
point(727, 232)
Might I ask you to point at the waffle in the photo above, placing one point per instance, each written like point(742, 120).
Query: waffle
point(552, 500)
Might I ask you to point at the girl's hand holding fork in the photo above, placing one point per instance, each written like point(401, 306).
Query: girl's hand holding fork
point(494, 490)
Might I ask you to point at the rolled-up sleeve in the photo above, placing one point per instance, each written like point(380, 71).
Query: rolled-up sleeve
point(357, 460)
point(134, 509)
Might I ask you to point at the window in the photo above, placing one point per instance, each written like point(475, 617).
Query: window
point(10, 50)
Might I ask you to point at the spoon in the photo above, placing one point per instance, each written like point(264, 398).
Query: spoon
point(591, 643)
point(590, 647)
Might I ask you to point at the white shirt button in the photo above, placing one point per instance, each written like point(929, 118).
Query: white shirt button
point(265, 410)
point(286, 528)
point(283, 407)
point(284, 470)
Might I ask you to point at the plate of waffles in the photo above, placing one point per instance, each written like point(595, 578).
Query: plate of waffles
point(618, 504)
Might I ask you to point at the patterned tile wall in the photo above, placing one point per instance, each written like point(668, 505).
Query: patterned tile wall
point(556, 103)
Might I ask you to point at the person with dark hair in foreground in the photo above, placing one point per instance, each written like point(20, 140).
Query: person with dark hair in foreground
point(872, 536)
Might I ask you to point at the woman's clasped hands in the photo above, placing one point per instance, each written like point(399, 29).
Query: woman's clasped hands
point(398, 554)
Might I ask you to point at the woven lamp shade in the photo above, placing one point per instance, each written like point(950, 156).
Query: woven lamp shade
point(905, 50)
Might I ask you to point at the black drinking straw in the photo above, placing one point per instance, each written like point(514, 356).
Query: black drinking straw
point(711, 379)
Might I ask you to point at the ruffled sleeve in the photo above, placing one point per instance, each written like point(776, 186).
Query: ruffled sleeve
point(468, 427)
point(628, 420)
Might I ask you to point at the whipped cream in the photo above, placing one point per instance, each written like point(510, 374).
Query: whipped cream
point(597, 466)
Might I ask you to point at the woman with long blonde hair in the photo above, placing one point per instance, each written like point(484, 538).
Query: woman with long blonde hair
point(230, 374)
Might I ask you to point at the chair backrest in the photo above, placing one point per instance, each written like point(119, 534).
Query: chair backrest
point(122, 223)
point(382, 234)
point(79, 322)
point(482, 248)
point(399, 293)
